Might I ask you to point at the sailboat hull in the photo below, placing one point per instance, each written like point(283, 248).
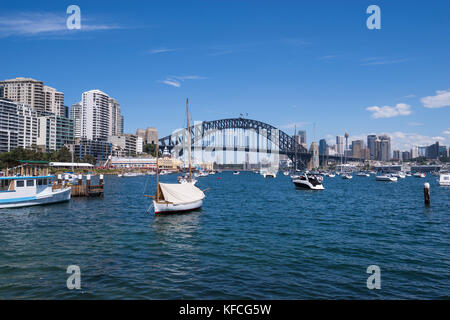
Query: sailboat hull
point(176, 208)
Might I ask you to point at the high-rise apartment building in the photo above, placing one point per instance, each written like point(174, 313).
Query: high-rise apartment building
point(323, 148)
point(9, 125)
point(25, 90)
point(76, 113)
point(54, 101)
point(95, 121)
point(54, 131)
point(28, 126)
point(116, 118)
point(358, 149)
point(414, 152)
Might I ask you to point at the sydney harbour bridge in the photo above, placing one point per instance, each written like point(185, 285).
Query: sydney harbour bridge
point(236, 141)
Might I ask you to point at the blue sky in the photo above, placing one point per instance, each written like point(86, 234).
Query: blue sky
point(286, 63)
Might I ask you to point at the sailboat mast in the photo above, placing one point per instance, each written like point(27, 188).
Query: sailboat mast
point(189, 139)
point(157, 172)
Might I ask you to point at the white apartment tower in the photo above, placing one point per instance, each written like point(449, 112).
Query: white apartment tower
point(28, 126)
point(54, 101)
point(95, 115)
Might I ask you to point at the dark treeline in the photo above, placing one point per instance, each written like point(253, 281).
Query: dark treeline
point(12, 158)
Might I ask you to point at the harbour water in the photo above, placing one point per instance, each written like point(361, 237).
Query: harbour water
point(255, 238)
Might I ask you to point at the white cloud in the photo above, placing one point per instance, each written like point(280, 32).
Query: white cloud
point(446, 131)
point(380, 61)
point(401, 109)
point(161, 50)
point(441, 99)
point(175, 81)
point(172, 83)
point(38, 23)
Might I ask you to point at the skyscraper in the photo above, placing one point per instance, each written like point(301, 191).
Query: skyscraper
point(76, 113)
point(384, 148)
point(358, 148)
point(54, 101)
point(340, 145)
point(116, 118)
point(372, 146)
point(323, 147)
point(95, 122)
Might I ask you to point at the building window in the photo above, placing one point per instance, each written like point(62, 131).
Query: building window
point(20, 183)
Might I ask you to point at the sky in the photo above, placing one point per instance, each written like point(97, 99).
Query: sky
point(313, 65)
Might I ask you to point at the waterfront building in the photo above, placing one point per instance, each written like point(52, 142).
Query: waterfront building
point(358, 149)
point(115, 118)
point(53, 101)
point(372, 146)
point(76, 113)
point(149, 135)
point(1, 91)
point(25, 90)
point(384, 148)
point(99, 149)
point(340, 145)
point(27, 126)
point(323, 147)
point(422, 151)
point(54, 131)
point(443, 152)
point(414, 152)
point(9, 125)
point(126, 144)
point(396, 155)
point(125, 162)
point(406, 155)
point(432, 151)
point(95, 121)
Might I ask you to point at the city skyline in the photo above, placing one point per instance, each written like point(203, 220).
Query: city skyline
point(333, 72)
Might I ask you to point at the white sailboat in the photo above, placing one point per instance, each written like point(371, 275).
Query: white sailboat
point(183, 197)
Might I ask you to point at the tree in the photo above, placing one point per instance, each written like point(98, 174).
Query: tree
point(150, 149)
point(89, 159)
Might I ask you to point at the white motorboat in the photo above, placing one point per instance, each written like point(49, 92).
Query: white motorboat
point(399, 174)
point(130, 174)
point(186, 179)
point(420, 174)
point(386, 177)
point(119, 175)
point(362, 174)
point(182, 197)
point(444, 179)
point(286, 173)
point(347, 176)
point(236, 172)
point(309, 182)
point(331, 175)
point(22, 190)
point(269, 174)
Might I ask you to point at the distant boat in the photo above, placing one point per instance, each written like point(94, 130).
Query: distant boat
point(363, 174)
point(420, 174)
point(444, 179)
point(331, 175)
point(269, 174)
point(119, 175)
point(386, 177)
point(347, 176)
point(130, 174)
point(286, 173)
point(399, 174)
point(236, 172)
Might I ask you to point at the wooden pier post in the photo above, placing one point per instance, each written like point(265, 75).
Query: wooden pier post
point(101, 179)
point(80, 180)
point(88, 181)
point(426, 193)
point(59, 179)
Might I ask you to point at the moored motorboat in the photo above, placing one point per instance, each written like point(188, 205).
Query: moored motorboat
point(269, 174)
point(444, 179)
point(386, 177)
point(310, 182)
point(236, 172)
point(347, 176)
point(420, 174)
